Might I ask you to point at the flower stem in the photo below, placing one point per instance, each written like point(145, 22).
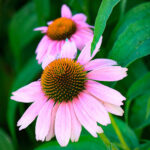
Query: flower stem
point(117, 130)
point(107, 142)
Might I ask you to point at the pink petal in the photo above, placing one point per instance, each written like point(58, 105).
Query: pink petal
point(51, 129)
point(77, 41)
point(31, 113)
point(75, 125)
point(49, 22)
point(29, 93)
point(42, 29)
point(94, 108)
point(79, 17)
point(104, 93)
point(84, 25)
point(117, 110)
point(69, 50)
point(44, 121)
point(47, 60)
point(96, 63)
point(63, 124)
point(65, 11)
point(84, 38)
point(108, 73)
point(58, 48)
point(51, 54)
point(42, 48)
point(88, 123)
point(85, 55)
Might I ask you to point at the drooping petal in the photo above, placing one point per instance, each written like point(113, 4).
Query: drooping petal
point(63, 124)
point(49, 22)
point(108, 73)
point(51, 129)
point(42, 48)
point(31, 113)
point(88, 123)
point(117, 110)
point(94, 108)
point(104, 93)
point(85, 55)
point(28, 93)
point(79, 17)
point(47, 59)
point(96, 63)
point(77, 41)
point(75, 125)
point(42, 29)
point(44, 121)
point(65, 11)
point(69, 50)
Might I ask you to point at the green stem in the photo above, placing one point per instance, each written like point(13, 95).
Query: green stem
point(117, 130)
point(107, 142)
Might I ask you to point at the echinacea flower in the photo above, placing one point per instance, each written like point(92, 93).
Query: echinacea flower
point(67, 97)
point(74, 28)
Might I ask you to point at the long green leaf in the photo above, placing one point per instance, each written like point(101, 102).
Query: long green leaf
point(43, 10)
point(104, 12)
point(21, 28)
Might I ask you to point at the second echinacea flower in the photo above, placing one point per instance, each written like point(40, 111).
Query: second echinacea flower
point(67, 26)
point(67, 97)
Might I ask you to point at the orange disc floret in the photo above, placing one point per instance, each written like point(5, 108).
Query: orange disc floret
point(63, 79)
point(61, 29)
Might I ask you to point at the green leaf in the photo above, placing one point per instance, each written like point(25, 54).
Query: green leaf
point(140, 112)
point(5, 141)
point(133, 42)
point(30, 72)
point(139, 87)
point(43, 10)
point(104, 12)
point(127, 133)
point(135, 14)
point(21, 28)
point(85, 142)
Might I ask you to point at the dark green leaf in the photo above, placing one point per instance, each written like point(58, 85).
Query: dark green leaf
point(132, 16)
point(139, 87)
point(85, 142)
point(21, 28)
point(133, 42)
point(43, 10)
point(5, 141)
point(140, 112)
point(104, 12)
point(30, 72)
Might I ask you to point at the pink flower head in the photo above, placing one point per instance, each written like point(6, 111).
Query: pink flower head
point(74, 28)
point(67, 96)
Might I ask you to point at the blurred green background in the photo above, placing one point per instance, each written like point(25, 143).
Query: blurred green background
point(126, 39)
